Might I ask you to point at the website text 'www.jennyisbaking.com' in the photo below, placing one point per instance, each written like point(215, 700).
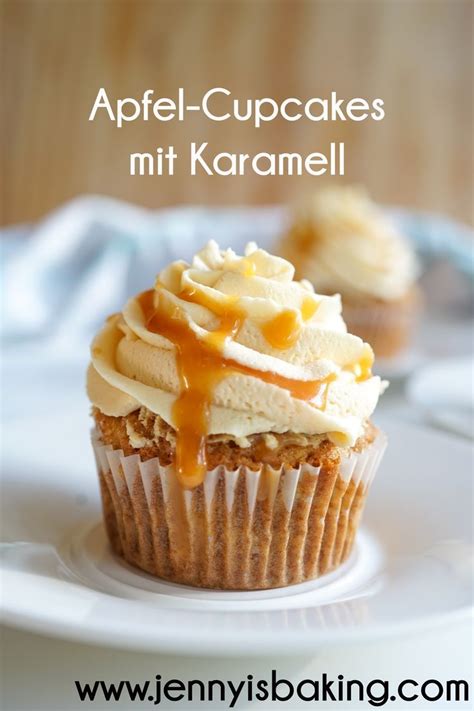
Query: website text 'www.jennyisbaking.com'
point(276, 688)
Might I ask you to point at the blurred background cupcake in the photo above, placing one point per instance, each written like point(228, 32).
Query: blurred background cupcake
point(344, 243)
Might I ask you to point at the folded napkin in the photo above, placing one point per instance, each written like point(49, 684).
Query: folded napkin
point(64, 276)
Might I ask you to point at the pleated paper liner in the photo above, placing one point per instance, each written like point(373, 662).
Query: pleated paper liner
point(388, 327)
point(239, 530)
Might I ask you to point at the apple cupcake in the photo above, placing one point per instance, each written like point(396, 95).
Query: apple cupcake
point(344, 243)
point(232, 433)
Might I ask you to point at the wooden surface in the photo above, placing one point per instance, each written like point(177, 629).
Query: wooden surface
point(416, 55)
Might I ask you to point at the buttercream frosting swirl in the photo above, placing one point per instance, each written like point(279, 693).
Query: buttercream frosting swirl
point(345, 243)
point(286, 362)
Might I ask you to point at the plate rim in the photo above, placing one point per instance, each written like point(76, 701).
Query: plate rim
point(290, 642)
point(167, 639)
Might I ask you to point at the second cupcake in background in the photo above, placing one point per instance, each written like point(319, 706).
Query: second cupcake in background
point(344, 243)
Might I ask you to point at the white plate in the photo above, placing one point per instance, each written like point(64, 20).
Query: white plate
point(411, 567)
point(443, 391)
point(400, 366)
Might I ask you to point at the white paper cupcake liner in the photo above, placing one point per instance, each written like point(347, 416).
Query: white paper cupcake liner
point(388, 327)
point(241, 529)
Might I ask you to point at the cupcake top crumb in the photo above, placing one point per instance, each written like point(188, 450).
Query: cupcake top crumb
point(150, 434)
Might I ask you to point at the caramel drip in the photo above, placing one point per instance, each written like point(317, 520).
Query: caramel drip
point(198, 373)
point(267, 484)
point(201, 367)
point(283, 330)
point(299, 389)
point(231, 316)
point(308, 308)
point(325, 392)
point(363, 368)
point(248, 267)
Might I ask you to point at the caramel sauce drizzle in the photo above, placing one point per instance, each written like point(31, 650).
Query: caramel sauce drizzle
point(283, 331)
point(231, 316)
point(309, 308)
point(201, 367)
point(247, 266)
point(363, 368)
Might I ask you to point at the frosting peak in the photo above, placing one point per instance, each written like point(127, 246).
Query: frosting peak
point(233, 345)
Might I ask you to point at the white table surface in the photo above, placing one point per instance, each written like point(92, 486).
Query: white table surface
point(39, 673)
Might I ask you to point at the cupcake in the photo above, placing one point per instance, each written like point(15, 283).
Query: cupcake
point(232, 433)
point(343, 243)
